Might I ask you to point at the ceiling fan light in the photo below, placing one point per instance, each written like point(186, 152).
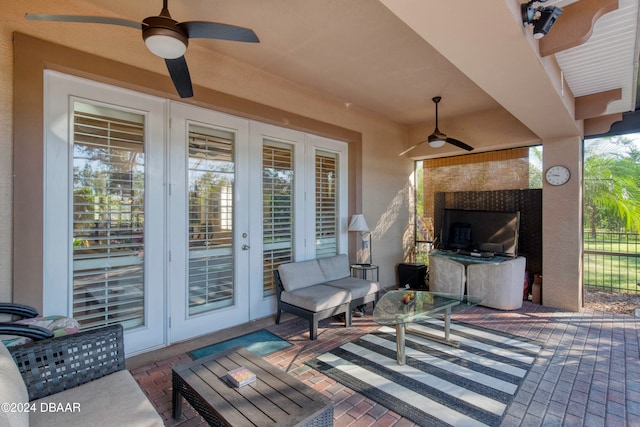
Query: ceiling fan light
point(164, 46)
point(436, 142)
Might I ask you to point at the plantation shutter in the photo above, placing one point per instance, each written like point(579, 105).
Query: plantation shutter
point(277, 196)
point(326, 165)
point(211, 180)
point(108, 216)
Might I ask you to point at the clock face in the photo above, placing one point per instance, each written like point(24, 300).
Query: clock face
point(557, 175)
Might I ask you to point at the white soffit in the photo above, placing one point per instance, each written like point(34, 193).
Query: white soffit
point(608, 60)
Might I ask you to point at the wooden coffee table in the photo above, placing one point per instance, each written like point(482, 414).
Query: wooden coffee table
point(274, 399)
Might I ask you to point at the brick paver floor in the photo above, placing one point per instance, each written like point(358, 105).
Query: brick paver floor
point(587, 374)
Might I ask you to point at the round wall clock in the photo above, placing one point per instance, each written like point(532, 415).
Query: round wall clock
point(557, 175)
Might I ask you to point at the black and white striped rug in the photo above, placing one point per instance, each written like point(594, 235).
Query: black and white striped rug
point(440, 385)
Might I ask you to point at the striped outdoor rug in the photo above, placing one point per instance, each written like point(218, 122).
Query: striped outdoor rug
point(440, 385)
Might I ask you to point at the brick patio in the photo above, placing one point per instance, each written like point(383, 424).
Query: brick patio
point(587, 374)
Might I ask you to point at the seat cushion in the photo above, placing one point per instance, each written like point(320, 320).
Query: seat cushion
point(114, 400)
point(357, 287)
point(12, 390)
point(317, 298)
point(335, 267)
point(302, 274)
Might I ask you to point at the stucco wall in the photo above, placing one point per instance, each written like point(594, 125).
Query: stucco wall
point(562, 227)
point(6, 149)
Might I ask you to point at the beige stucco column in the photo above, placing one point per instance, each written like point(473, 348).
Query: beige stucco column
point(562, 227)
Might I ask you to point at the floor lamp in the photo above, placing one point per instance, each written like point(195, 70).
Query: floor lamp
point(358, 223)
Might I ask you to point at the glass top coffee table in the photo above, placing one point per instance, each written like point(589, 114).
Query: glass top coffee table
point(401, 307)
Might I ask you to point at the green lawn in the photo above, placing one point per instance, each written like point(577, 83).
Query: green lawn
point(618, 271)
point(621, 247)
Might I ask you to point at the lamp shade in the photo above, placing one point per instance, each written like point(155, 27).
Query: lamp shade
point(358, 223)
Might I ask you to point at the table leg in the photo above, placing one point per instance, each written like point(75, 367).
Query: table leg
point(447, 331)
point(400, 349)
point(177, 402)
point(447, 324)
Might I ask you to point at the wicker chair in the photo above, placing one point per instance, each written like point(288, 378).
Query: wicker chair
point(86, 370)
point(54, 365)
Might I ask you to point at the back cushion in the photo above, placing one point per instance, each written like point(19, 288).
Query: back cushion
point(335, 267)
point(12, 390)
point(298, 275)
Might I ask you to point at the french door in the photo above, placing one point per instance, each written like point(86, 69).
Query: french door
point(169, 218)
point(299, 183)
point(208, 217)
point(278, 231)
point(104, 246)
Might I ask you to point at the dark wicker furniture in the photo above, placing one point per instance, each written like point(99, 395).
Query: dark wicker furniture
point(21, 310)
point(53, 365)
point(274, 399)
point(24, 312)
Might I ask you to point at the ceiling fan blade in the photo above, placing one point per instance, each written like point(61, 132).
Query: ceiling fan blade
point(459, 144)
point(411, 148)
point(215, 30)
point(180, 75)
point(86, 19)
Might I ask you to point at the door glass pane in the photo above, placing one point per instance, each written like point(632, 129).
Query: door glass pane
point(108, 216)
point(326, 204)
point(277, 209)
point(211, 179)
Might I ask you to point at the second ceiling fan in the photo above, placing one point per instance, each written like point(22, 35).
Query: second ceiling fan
point(438, 139)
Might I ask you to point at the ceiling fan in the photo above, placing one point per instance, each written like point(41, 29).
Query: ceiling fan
point(438, 139)
point(167, 38)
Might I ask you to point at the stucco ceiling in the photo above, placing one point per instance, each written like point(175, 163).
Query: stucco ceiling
point(392, 56)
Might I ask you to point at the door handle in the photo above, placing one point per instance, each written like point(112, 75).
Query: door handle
point(245, 247)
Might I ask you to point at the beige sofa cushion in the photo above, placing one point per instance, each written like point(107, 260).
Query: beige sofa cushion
point(114, 400)
point(12, 391)
point(335, 267)
point(357, 287)
point(298, 275)
point(317, 298)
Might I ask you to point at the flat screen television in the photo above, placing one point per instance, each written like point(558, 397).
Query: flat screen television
point(480, 231)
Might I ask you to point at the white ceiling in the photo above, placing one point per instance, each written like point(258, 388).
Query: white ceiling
point(609, 59)
point(387, 57)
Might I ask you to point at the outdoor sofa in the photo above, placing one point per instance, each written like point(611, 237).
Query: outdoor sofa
point(73, 380)
point(319, 288)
